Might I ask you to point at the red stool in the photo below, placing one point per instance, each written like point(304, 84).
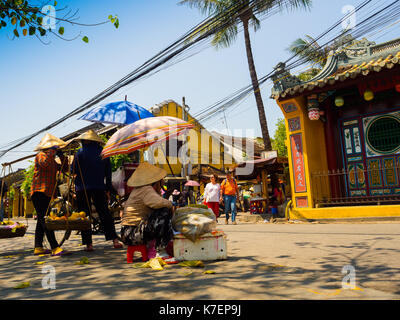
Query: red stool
point(132, 249)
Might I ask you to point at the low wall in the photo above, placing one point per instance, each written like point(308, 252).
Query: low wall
point(383, 211)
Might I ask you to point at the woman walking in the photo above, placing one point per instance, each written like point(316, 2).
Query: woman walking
point(212, 195)
point(93, 184)
point(42, 191)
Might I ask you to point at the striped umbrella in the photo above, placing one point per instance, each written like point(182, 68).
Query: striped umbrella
point(144, 133)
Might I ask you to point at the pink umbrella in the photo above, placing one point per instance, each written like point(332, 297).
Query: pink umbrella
point(144, 133)
point(192, 183)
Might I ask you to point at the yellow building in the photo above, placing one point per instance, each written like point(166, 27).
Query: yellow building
point(203, 147)
point(343, 134)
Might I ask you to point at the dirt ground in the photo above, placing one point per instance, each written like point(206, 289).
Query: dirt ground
point(265, 261)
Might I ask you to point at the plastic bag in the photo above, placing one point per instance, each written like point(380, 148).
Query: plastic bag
point(118, 183)
point(193, 222)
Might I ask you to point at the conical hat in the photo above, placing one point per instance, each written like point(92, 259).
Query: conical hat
point(49, 141)
point(90, 136)
point(146, 174)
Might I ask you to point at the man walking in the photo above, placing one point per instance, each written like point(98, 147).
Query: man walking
point(229, 194)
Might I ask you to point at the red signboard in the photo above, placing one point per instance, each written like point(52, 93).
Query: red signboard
point(298, 163)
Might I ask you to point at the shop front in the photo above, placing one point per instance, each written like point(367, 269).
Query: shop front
point(343, 130)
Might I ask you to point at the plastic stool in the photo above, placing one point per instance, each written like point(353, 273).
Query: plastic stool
point(132, 249)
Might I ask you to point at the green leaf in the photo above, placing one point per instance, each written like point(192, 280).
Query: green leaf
point(3, 23)
point(116, 24)
point(55, 3)
point(110, 17)
point(32, 30)
point(39, 20)
point(42, 31)
point(16, 33)
point(85, 39)
point(22, 23)
point(22, 285)
point(61, 30)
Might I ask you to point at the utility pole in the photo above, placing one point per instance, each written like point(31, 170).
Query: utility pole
point(185, 118)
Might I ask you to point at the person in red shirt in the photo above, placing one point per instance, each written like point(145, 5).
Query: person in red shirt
point(42, 191)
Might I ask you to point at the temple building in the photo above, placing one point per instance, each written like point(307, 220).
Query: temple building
point(343, 133)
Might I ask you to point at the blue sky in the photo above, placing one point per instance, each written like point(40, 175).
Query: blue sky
point(41, 83)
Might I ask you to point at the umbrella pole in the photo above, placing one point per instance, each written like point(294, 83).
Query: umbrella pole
point(166, 158)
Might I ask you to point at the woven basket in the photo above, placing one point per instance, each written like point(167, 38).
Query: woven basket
point(7, 232)
point(68, 225)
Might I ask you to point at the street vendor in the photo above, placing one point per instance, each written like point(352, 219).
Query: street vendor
point(147, 215)
point(43, 189)
point(94, 187)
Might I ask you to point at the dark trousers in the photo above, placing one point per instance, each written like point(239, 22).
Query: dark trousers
point(41, 203)
point(99, 200)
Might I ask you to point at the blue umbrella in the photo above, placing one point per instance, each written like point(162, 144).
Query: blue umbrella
point(120, 112)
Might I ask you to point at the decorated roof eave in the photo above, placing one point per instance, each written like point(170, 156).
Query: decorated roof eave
point(324, 84)
point(361, 57)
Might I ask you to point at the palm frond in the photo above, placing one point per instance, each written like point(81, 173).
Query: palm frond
point(255, 23)
point(206, 7)
point(291, 5)
point(225, 37)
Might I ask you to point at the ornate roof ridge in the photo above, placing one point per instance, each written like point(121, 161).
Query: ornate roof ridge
point(361, 56)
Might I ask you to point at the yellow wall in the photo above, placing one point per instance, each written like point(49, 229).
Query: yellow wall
point(28, 208)
point(15, 203)
point(313, 146)
point(198, 151)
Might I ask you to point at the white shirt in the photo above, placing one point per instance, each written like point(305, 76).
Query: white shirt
point(211, 192)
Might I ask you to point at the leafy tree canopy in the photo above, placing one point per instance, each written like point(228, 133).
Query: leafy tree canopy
point(117, 160)
point(278, 142)
point(27, 19)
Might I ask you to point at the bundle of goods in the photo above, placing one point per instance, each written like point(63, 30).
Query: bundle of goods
point(194, 221)
point(10, 229)
point(61, 221)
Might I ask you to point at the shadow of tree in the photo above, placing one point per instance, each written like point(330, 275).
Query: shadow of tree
point(108, 276)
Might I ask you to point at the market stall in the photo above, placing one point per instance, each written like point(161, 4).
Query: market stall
point(262, 197)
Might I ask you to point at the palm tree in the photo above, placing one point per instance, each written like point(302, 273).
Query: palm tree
point(309, 49)
point(247, 15)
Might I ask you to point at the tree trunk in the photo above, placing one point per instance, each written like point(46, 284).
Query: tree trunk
point(256, 87)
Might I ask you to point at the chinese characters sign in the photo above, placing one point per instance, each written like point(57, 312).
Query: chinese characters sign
point(298, 163)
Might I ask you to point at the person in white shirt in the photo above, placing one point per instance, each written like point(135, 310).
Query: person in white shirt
point(211, 195)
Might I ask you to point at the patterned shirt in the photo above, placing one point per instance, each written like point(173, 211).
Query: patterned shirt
point(45, 173)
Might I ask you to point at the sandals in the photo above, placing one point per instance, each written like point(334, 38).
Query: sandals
point(90, 249)
point(118, 245)
point(60, 253)
point(170, 260)
point(39, 251)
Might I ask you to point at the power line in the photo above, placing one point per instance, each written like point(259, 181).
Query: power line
point(202, 31)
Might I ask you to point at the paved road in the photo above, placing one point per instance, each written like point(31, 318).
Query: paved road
point(265, 261)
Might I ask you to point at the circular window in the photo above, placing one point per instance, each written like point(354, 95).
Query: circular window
point(383, 134)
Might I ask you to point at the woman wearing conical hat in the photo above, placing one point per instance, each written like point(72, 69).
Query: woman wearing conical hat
point(43, 188)
point(93, 179)
point(147, 215)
